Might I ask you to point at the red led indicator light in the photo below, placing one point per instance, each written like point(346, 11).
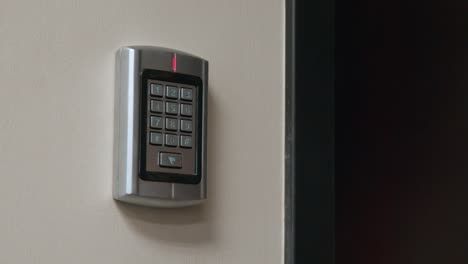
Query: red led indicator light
point(174, 63)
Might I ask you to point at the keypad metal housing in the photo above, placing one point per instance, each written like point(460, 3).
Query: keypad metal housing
point(173, 184)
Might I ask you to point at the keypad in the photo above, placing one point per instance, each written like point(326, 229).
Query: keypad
point(171, 114)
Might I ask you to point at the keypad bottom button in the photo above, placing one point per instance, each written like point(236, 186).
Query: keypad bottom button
point(171, 160)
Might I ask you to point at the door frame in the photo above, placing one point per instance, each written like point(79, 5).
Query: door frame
point(309, 132)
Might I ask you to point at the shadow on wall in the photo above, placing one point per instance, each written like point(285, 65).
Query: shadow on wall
point(182, 225)
point(189, 225)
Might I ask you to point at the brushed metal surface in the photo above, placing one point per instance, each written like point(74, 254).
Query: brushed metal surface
point(128, 187)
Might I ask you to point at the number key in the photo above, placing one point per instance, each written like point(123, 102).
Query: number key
point(186, 109)
point(156, 89)
point(156, 138)
point(186, 125)
point(157, 106)
point(171, 140)
point(186, 94)
point(186, 141)
point(156, 122)
point(172, 124)
point(172, 92)
point(172, 108)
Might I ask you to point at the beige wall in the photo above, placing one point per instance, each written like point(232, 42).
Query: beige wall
point(56, 110)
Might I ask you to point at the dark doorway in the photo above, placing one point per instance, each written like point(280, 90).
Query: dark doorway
point(377, 132)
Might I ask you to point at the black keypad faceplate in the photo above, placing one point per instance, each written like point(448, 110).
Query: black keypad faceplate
point(170, 130)
point(171, 127)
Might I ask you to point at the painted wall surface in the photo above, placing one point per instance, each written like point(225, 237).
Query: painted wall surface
point(56, 128)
